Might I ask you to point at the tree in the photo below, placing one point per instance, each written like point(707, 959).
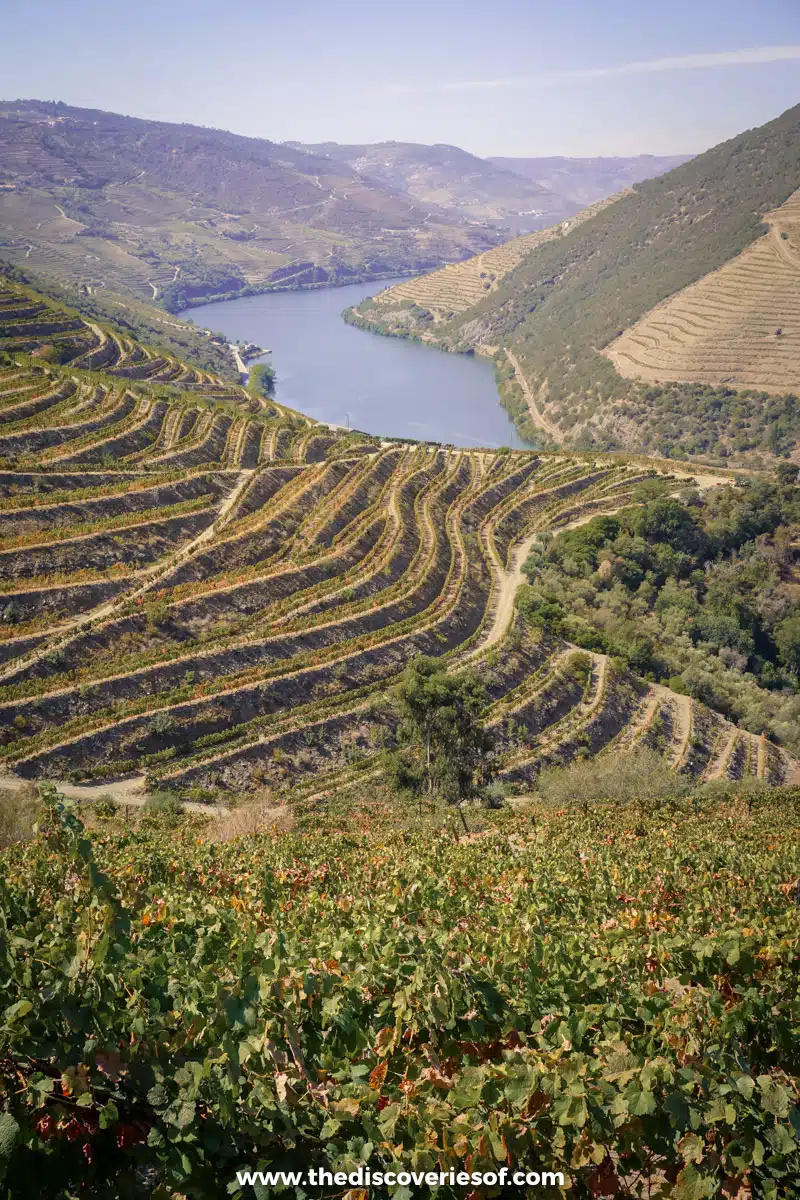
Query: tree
point(787, 639)
point(443, 750)
point(667, 520)
point(261, 381)
point(788, 474)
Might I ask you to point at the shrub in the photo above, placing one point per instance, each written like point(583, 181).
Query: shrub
point(164, 808)
point(105, 808)
point(641, 775)
point(17, 814)
point(161, 723)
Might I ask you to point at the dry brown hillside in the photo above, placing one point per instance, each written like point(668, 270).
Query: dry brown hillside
point(171, 213)
point(739, 325)
point(456, 287)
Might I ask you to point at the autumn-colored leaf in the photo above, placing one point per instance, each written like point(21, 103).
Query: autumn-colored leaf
point(377, 1075)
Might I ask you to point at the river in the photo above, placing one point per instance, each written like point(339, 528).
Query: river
point(340, 374)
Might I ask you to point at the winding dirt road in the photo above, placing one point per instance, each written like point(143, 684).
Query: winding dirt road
point(539, 419)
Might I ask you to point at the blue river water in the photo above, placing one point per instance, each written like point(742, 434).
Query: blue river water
point(339, 374)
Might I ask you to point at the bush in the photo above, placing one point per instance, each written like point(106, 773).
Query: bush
point(105, 808)
point(162, 723)
point(621, 778)
point(17, 814)
point(495, 794)
point(163, 808)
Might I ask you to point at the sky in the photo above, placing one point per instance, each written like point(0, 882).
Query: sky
point(503, 77)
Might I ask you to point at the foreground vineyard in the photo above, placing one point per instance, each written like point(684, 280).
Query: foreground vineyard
point(611, 997)
point(216, 599)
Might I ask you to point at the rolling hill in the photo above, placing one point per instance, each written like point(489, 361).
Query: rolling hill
point(176, 212)
point(206, 591)
point(551, 318)
point(449, 178)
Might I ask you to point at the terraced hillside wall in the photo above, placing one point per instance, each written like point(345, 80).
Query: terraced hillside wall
point(738, 326)
point(220, 599)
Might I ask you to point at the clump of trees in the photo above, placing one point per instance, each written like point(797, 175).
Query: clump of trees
point(697, 593)
point(443, 751)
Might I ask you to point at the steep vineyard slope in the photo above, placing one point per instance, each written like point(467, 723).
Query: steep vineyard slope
point(570, 297)
point(458, 286)
point(217, 598)
point(738, 326)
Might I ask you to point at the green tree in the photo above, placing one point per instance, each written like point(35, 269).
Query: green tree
point(444, 750)
point(261, 381)
point(666, 520)
point(788, 474)
point(787, 639)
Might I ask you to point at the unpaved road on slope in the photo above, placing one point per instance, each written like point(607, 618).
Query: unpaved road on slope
point(543, 422)
point(512, 579)
point(129, 790)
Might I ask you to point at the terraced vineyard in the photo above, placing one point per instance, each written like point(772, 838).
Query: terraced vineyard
point(75, 394)
point(217, 598)
point(739, 325)
point(456, 287)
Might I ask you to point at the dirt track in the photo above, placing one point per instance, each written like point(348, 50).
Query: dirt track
point(130, 790)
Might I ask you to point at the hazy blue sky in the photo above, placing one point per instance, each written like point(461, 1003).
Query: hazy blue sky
point(494, 76)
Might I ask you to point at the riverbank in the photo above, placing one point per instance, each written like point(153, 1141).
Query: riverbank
point(265, 289)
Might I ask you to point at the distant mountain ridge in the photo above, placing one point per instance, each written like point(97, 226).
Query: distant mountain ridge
point(524, 195)
point(453, 179)
point(582, 181)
